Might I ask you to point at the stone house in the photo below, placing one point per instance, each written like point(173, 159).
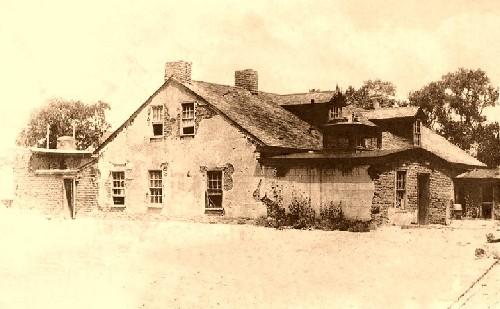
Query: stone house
point(196, 149)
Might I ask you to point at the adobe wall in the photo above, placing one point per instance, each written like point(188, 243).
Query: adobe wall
point(441, 191)
point(351, 187)
point(182, 160)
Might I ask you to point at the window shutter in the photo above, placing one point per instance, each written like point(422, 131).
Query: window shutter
point(195, 107)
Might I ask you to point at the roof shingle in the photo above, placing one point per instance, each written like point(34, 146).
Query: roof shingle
point(261, 117)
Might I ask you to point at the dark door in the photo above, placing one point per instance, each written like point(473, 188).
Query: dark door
point(423, 197)
point(487, 201)
point(69, 189)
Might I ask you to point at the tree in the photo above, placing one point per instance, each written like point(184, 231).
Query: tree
point(89, 121)
point(487, 145)
point(372, 92)
point(454, 107)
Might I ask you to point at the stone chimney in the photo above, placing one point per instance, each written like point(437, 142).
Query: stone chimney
point(247, 79)
point(181, 70)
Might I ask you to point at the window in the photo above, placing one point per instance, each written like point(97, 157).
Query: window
point(416, 132)
point(187, 119)
point(155, 187)
point(400, 189)
point(335, 112)
point(214, 190)
point(157, 120)
point(359, 142)
point(371, 143)
point(118, 188)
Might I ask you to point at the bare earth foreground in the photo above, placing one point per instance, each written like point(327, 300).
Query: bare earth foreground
point(89, 263)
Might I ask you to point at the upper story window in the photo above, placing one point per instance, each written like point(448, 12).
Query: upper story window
point(417, 136)
point(335, 112)
point(371, 143)
point(157, 120)
point(187, 119)
point(118, 188)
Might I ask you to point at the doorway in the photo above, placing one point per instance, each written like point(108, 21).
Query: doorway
point(69, 195)
point(487, 201)
point(423, 197)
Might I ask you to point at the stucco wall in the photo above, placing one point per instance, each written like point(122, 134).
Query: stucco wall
point(183, 160)
point(350, 187)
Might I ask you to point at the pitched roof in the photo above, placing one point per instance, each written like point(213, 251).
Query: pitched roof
point(391, 112)
point(481, 174)
point(441, 147)
point(258, 115)
point(299, 98)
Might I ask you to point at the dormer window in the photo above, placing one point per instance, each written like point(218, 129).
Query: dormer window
point(335, 112)
point(417, 136)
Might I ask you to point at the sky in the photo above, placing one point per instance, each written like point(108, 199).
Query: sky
point(115, 51)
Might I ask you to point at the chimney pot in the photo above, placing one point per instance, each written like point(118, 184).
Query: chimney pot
point(180, 70)
point(247, 79)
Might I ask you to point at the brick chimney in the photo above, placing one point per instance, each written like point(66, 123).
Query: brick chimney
point(247, 79)
point(181, 70)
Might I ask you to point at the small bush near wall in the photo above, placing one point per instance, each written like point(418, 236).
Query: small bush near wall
point(299, 214)
point(332, 218)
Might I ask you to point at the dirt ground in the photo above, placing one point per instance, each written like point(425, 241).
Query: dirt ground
point(89, 263)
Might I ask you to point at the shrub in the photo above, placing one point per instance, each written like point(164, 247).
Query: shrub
point(276, 215)
point(331, 217)
point(359, 226)
point(261, 221)
point(301, 214)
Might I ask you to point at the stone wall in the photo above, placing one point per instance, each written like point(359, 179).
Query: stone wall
point(41, 193)
point(441, 191)
point(86, 190)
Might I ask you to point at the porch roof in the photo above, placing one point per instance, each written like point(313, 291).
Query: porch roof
point(481, 174)
point(339, 155)
point(68, 152)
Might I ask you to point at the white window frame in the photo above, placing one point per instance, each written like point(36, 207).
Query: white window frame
point(400, 189)
point(118, 188)
point(188, 119)
point(157, 119)
point(335, 112)
point(214, 191)
point(155, 187)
